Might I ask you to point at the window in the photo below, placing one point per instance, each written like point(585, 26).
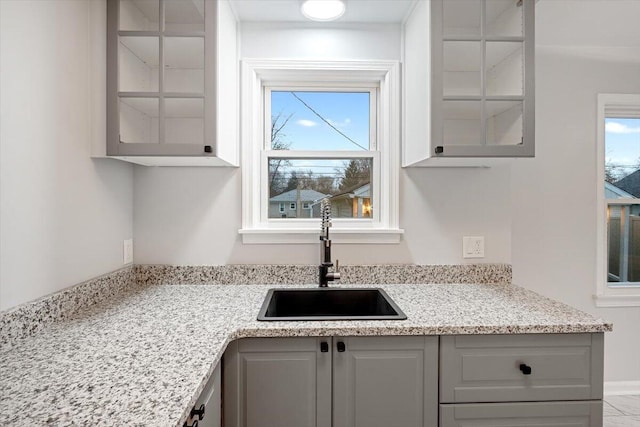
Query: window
point(619, 200)
point(315, 130)
point(281, 208)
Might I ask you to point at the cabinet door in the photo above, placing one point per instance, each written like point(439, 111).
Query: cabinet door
point(482, 78)
point(278, 382)
point(385, 381)
point(210, 400)
point(548, 414)
point(161, 77)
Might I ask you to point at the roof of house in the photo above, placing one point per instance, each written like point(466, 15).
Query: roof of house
point(630, 183)
point(613, 192)
point(362, 190)
point(292, 196)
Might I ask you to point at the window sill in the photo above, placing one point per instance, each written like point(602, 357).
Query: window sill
point(311, 236)
point(631, 299)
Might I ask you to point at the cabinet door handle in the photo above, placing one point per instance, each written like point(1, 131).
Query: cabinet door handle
point(324, 347)
point(341, 347)
point(197, 412)
point(195, 424)
point(526, 370)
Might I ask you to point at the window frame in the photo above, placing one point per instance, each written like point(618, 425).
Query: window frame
point(261, 76)
point(607, 294)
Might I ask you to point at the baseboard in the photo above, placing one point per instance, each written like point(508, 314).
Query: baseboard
point(617, 388)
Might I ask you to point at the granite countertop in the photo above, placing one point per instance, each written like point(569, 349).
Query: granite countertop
point(143, 357)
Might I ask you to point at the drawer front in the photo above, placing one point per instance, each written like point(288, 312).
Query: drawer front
point(510, 368)
point(548, 414)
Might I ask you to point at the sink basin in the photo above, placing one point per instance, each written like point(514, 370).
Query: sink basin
point(329, 304)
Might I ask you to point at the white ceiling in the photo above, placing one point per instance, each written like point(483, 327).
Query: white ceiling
point(357, 11)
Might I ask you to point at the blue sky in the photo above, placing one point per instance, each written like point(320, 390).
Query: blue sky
point(347, 112)
point(622, 143)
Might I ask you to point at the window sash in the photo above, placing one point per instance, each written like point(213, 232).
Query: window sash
point(373, 107)
point(376, 182)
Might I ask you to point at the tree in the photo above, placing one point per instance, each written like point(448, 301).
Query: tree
point(611, 172)
point(356, 173)
point(324, 184)
point(276, 175)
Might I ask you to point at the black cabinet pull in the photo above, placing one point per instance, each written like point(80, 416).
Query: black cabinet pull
point(208, 149)
point(341, 347)
point(195, 424)
point(197, 412)
point(324, 347)
point(525, 369)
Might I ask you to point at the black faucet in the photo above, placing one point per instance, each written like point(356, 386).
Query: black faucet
point(324, 275)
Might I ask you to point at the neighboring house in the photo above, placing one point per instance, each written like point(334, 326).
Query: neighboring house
point(352, 203)
point(294, 204)
point(612, 191)
point(630, 184)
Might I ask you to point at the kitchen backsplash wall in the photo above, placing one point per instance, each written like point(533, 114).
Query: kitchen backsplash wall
point(308, 274)
point(27, 319)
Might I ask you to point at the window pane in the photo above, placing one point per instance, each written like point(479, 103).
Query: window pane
point(622, 158)
point(184, 64)
point(184, 121)
point(622, 181)
point(320, 120)
point(139, 15)
point(181, 15)
point(503, 18)
point(138, 64)
point(461, 68)
point(139, 120)
point(623, 225)
point(461, 18)
point(298, 186)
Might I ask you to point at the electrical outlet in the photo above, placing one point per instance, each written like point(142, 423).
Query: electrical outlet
point(473, 247)
point(127, 251)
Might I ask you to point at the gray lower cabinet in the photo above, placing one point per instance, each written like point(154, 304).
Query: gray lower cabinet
point(208, 408)
point(565, 414)
point(415, 381)
point(521, 380)
point(339, 382)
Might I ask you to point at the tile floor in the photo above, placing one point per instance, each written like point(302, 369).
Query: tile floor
point(621, 411)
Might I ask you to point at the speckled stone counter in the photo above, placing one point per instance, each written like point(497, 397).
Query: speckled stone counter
point(143, 357)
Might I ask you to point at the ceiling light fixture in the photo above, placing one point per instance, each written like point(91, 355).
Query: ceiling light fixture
point(323, 10)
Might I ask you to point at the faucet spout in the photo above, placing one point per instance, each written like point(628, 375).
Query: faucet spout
point(325, 276)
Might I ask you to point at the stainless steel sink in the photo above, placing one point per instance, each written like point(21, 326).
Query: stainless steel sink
point(329, 304)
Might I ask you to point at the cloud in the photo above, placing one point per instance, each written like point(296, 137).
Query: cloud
point(614, 127)
point(307, 123)
point(340, 124)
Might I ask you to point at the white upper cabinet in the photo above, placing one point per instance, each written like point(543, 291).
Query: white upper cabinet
point(469, 82)
point(170, 65)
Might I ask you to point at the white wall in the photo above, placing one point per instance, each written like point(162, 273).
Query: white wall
point(192, 216)
point(554, 197)
point(63, 216)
